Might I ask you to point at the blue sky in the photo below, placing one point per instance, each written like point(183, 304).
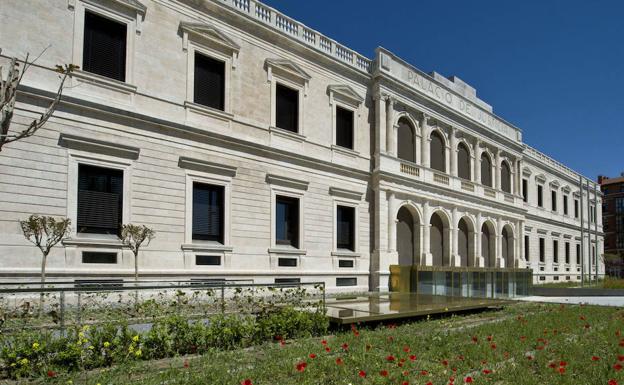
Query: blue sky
point(554, 68)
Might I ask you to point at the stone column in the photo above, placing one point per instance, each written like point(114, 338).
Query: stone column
point(454, 229)
point(522, 262)
point(391, 145)
point(518, 178)
point(392, 222)
point(453, 151)
point(425, 159)
point(477, 162)
point(427, 257)
point(497, 169)
point(380, 124)
point(480, 261)
point(500, 262)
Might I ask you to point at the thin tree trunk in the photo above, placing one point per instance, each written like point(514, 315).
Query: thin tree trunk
point(43, 278)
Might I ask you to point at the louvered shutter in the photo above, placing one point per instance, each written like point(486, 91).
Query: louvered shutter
point(344, 128)
point(209, 83)
point(100, 200)
point(287, 108)
point(104, 49)
point(345, 231)
point(207, 212)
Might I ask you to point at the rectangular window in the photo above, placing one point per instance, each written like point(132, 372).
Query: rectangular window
point(553, 195)
point(100, 200)
point(209, 82)
point(208, 212)
point(344, 127)
point(592, 210)
point(287, 262)
point(525, 190)
point(286, 108)
point(540, 196)
point(207, 260)
point(104, 47)
point(345, 228)
point(567, 253)
point(288, 281)
point(593, 257)
point(98, 257)
point(541, 250)
point(345, 263)
point(578, 254)
point(287, 221)
point(526, 248)
point(619, 205)
point(576, 208)
point(555, 251)
point(565, 205)
point(350, 281)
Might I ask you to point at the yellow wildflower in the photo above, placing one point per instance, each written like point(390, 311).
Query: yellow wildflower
point(35, 345)
point(91, 347)
point(106, 344)
point(135, 338)
point(138, 353)
point(24, 361)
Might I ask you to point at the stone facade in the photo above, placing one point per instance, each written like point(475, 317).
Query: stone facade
point(401, 175)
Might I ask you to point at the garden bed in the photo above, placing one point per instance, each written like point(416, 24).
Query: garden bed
point(521, 344)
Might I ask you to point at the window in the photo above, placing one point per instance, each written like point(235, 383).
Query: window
point(576, 208)
point(540, 196)
point(345, 263)
point(98, 257)
point(525, 190)
point(406, 141)
point(463, 162)
point(287, 221)
point(208, 260)
point(100, 200)
point(542, 256)
point(567, 253)
point(286, 108)
point(592, 212)
point(553, 197)
point(526, 248)
point(287, 281)
point(208, 215)
point(486, 170)
point(506, 178)
point(594, 257)
point(104, 47)
point(565, 205)
point(344, 127)
point(555, 251)
point(438, 151)
point(287, 262)
point(349, 281)
point(619, 205)
point(209, 82)
point(345, 228)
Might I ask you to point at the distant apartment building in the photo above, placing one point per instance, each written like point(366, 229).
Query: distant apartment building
point(613, 213)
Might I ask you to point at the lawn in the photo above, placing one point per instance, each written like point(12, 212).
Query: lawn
point(520, 344)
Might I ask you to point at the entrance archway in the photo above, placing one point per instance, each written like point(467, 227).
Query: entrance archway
point(407, 237)
point(439, 240)
point(508, 246)
point(488, 244)
point(465, 242)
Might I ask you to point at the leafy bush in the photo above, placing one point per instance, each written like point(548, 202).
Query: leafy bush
point(287, 322)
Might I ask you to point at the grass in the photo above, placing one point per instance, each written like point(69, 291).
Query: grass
point(606, 283)
point(520, 344)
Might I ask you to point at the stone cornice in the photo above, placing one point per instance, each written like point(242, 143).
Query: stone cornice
point(344, 193)
point(98, 146)
point(205, 166)
point(285, 181)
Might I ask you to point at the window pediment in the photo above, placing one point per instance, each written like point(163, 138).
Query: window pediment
point(287, 182)
point(555, 184)
point(526, 171)
point(205, 166)
point(99, 146)
point(344, 93)
point(566, 189)
point(286, 69)
point(541, 178)
point(208, 35)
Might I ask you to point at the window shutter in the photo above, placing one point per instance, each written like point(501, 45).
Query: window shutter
point(104, 47)
point(208, 212)
point(287, 108)
point(100, 200)
point(344, 128)
point(209, 84)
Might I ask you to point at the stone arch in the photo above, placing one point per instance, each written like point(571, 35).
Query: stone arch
point(439, 238)
point(486, 169)
point(406, 139)
point(505, 176)
point(465, 241)
point(437, 150)
point(408, 235)
point(507, 245)
point(488, 243)
point(464, 170)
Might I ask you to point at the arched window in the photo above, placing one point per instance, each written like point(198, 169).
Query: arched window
point(437, 152)
point(507, 247)
point(486, 170)
point(406, 141)
point(487, 246)
point(463, 162)
point(436, 239)
point(405, 237)
point(463, 242)
point(505, 177)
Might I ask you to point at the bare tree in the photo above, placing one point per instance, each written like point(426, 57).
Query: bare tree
point(45, 232)
point(133, 236)
point(8, 95)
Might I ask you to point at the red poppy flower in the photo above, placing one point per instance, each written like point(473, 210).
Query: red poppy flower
point(362, 374)
point(460, 357)
point(468, 380)
point(622, 343)
point(563, 363)
point(312, 356)
point(301, 366)
point(529, 357)
point(562, 370)
point(522, 338)
point(612, 382)
point(406, 349)
point(186, 364)
point(431, 383)
point(582, 318)
point(356, 333)
point(541, 347)
point(282, 343)
point(404, 383)
point(487, 371)
point(327, 349)
point(475, 339)
point(405, 373)
point(400, 364)
point(324, 342)
point(339, 361)
point(383, 373)
point(552, 365)
point(489, 338)
point(493, 346)
point(445, 362)
point(246, 382)
point(620, 358)
point(51, 373)
point(617, 367)
point(595, 358)
point(390, 358)
point(412, 357)
point(587, 326)
point(424, 372)
point(345, 346)
point(484, 362)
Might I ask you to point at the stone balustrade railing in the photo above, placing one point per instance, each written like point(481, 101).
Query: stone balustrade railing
point(277, 20)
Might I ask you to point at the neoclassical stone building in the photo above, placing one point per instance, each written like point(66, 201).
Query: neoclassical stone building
point(258, 148)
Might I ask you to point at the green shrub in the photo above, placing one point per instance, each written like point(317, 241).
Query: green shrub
point(287, 322)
